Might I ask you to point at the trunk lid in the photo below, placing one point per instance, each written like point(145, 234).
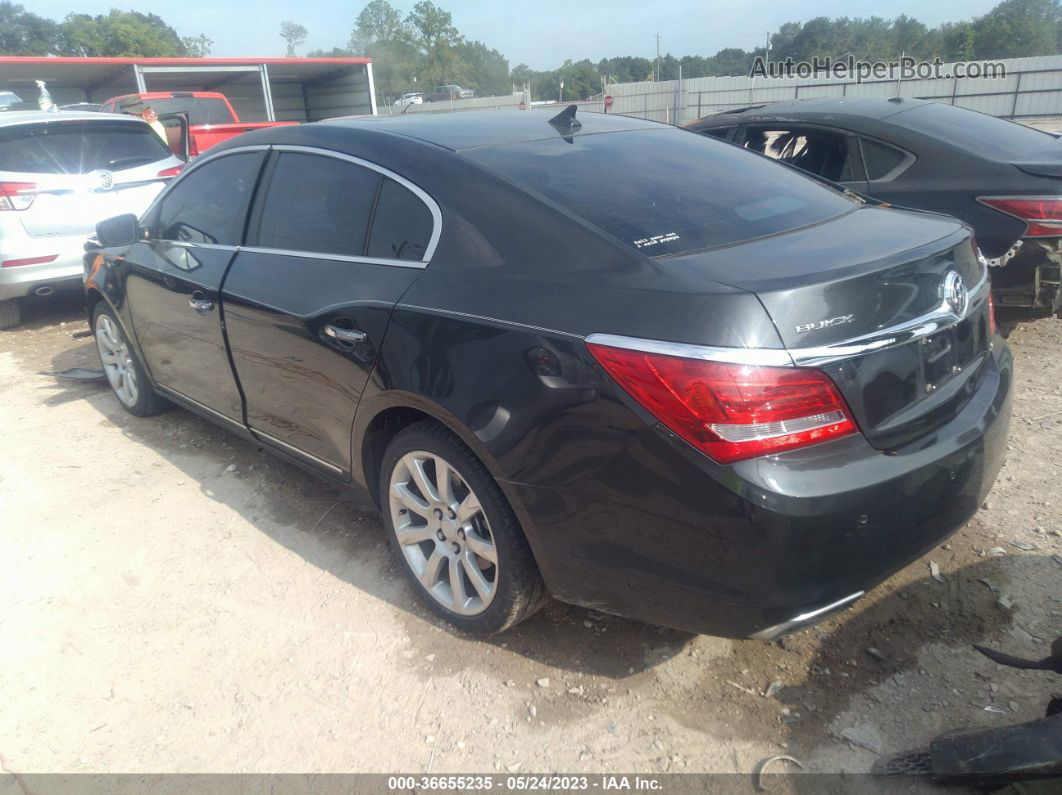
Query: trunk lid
point(1046, 163)
point(850, 296)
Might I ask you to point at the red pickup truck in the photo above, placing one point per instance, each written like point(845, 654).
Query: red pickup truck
point(211, 119)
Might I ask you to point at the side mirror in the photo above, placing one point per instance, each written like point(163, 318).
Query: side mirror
point(122, 230)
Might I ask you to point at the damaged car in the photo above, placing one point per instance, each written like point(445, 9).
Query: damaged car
point(1002, 178)
point(729, 411)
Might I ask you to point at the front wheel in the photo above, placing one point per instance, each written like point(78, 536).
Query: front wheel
point(455, 534)
point(123, 369)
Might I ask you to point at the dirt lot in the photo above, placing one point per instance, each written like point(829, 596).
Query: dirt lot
point(174, 599)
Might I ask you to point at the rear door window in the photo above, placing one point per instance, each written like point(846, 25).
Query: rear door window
point(666, 191)
point(78, 147)
point(822, 152)
point(318, 204)
point(209, 205)
point(881, 160)
point(402, 224)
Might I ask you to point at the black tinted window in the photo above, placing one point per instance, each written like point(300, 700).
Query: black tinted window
point(719, 132)
point(72, 147)
point(817, 151)
point(402, 225)
point(665, 191)
point(200, 110)
point(209, 205)
point(318, 204)
point(879, 159)
point(976, 132)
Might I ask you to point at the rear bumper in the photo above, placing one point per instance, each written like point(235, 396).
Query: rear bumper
point(65, 271)
point(759, 548)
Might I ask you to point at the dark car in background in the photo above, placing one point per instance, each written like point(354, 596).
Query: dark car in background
point(448, 92)
point(729, 411)
point(1002, 178)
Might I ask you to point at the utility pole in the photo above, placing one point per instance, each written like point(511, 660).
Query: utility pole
point(656, 72)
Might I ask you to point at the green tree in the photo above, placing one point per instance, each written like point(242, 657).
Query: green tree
point(197, 46)
point(489, 69)
point(25, 33)
point(378, 22)
point(1018, 28)
point(294, 34)
point(119, 34)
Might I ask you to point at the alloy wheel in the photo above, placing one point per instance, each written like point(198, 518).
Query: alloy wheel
point(117, 360)
point(443, 533)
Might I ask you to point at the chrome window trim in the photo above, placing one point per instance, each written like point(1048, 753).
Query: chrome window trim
point(941, 317)
point(394, 263)
point(416, 190)
point(190, 244)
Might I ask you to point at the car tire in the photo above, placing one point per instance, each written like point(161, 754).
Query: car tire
point(126, 375)
point(10, 313)
point(479, 524)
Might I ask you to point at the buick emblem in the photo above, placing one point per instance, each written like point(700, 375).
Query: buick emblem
point(953, 292)
point(106, 180)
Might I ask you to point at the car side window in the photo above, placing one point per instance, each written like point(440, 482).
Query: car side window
point(821, 152)
point(880, 159)
point(318, 204)
point(401, 226)
point(720, 132)
point(209, 205)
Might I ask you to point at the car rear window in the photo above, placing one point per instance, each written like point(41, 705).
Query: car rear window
point(666, 191)
point(199, 110)
point(986, 136)
point(75, 147)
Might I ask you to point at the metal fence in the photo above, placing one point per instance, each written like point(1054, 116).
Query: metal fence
point(1031, 91)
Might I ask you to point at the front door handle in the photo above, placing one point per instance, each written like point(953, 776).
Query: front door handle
point(200, 303)
point(348, 335)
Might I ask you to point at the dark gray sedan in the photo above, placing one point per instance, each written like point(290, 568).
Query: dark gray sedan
point(1002, 178)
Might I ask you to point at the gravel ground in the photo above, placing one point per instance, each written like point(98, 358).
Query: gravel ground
point(176, 600)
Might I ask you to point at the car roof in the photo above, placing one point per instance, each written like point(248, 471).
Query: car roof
point(475, 129)
point(11, 117)
point(864, 107)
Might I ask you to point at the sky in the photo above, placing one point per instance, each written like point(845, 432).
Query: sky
point(540, 33)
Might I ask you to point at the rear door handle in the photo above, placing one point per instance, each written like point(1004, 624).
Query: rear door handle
point(348, 335)
point(200, 303)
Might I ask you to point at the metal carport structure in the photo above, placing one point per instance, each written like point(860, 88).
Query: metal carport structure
point(261, 89)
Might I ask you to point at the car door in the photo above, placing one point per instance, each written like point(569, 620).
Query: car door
point(827, 152)
point(175, 278)
point(333, 244)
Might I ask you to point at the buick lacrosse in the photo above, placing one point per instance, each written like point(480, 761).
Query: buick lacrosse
point(585, 357)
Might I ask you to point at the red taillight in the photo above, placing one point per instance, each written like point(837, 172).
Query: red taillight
point(1042, 214)
point(991, 316)
point(13, 195)
point(171, 172)
point(731, 411)
point(15, 263)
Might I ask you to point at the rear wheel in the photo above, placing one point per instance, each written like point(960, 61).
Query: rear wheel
point(125, 374)
point(455, 534)
point(10, 313)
